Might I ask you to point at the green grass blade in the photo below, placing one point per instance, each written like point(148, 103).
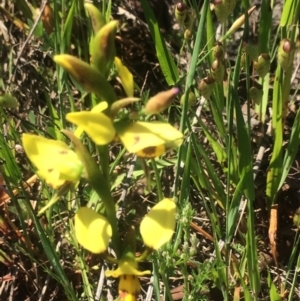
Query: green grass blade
point(164, 56)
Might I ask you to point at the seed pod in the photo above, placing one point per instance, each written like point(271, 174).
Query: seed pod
point(160, 101)
point(206, 86)
point(262, 65)
point(286, 52)
point(191, 100)
point(218, 71)
point(256, 94)
point(180, 12)
point(218, 51)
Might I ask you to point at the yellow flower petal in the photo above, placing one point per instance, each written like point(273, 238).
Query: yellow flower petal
point(100, 107)
point(158, 225)
point(125, 76)
point(150, 139)
point(55, 162)
point(98, 126)
point(129, 287)
point(126, 267)
point(92, 230)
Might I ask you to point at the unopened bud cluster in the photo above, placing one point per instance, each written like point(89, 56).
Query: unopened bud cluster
point(185, 17)
point(206, 85)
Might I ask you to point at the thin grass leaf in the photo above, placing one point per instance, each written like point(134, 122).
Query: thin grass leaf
point(290, 13)
point(291, 150)
point(164, 56)
point(53, 257)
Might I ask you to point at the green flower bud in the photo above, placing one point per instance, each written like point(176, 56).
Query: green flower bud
point(286, 52)
point(256, 94)
point(218, 71)
point(191, 100)
point(8, 101)
point(296, 218)
point(251, 49)
point(221, 10)
point(218, 51)
point(87, 76)
point(206, 86)
point(103, 49)
point(262, 65)
point(187, 35)
point(97, 18)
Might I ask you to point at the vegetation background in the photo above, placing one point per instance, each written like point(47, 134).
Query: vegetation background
point(235, 178)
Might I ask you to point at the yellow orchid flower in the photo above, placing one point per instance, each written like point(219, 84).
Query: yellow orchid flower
point(150, 139)
point(127, 272)
point(95, 123)
point(93, 232)
point(55, 162)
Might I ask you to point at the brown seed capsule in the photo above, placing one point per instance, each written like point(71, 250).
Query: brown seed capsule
point(262, 65)
point(161, 101)
point(206, 86)
point(286, 52)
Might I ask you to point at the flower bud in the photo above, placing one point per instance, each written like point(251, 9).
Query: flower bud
point(286, 52)
point(251, 49)
point(160, 101)
point(218, 71)
point(8, 101)
point(191, 99)
point(187, 35)
point(206, 86)
point(256, 94)
point(240, 21)
point(47, 19)
point(218, 51)
point(97, 18)
point(262, 65)
point(221, 10)
point(103, 49)
point(87, 76)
